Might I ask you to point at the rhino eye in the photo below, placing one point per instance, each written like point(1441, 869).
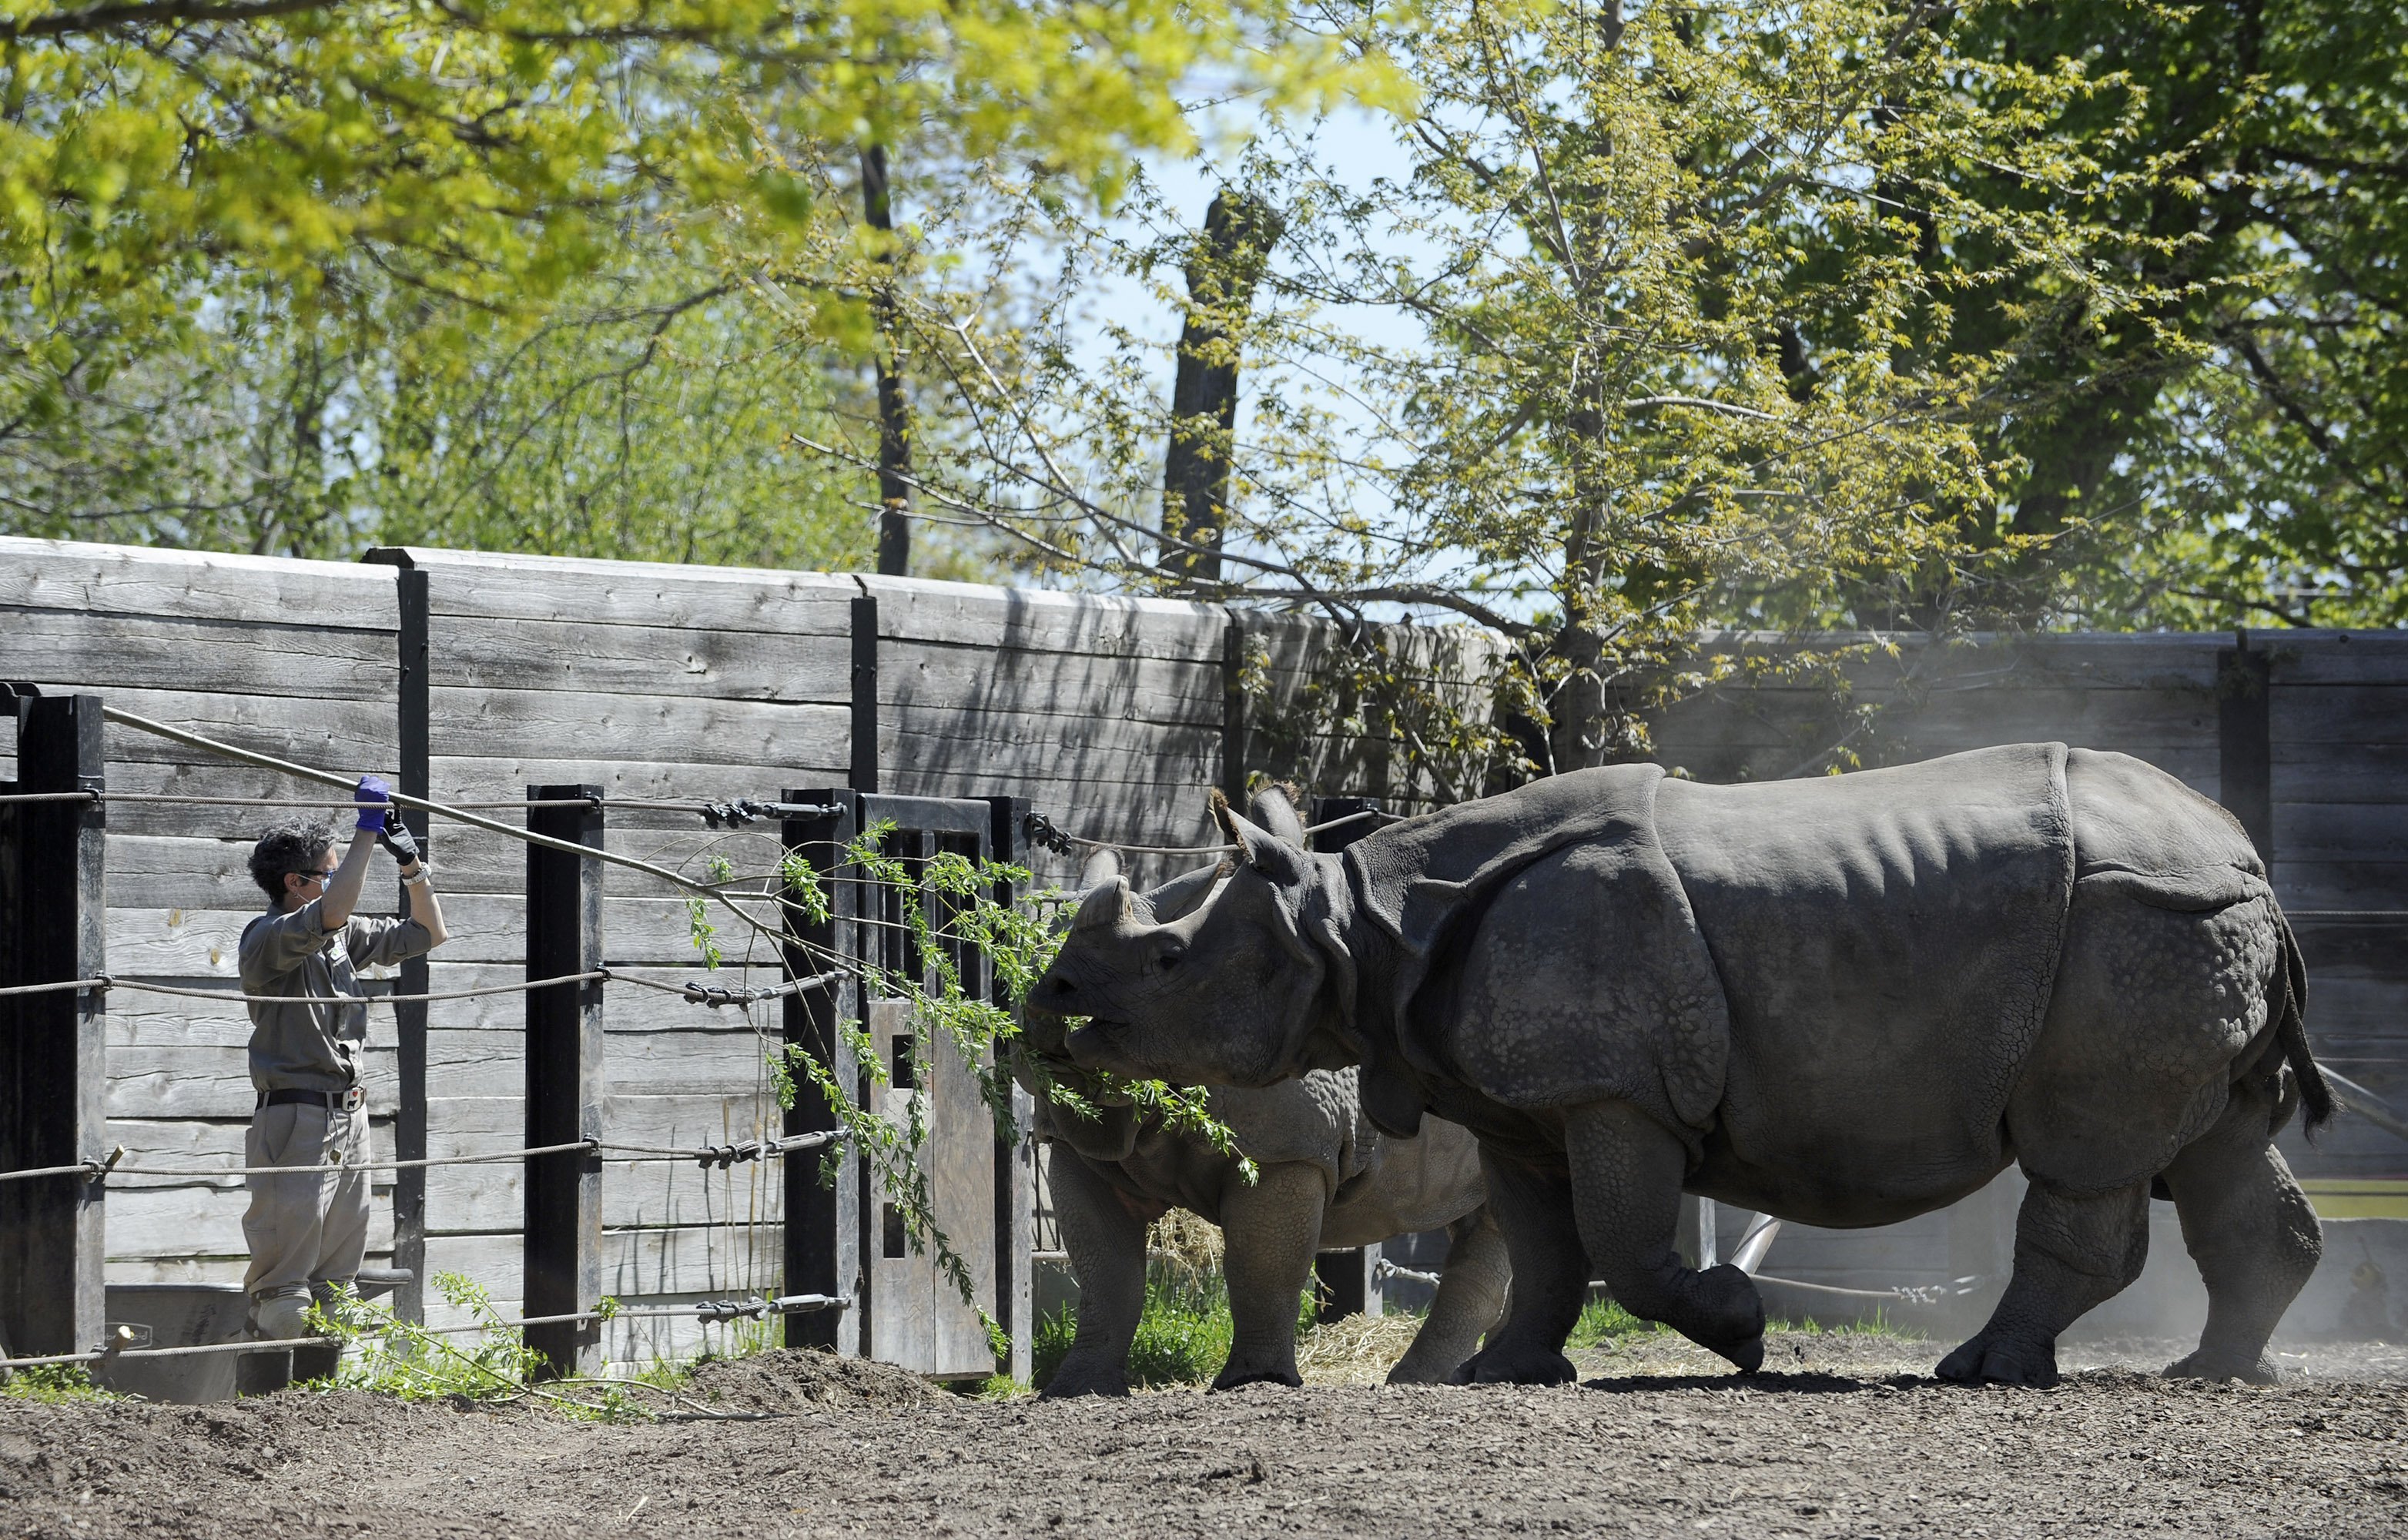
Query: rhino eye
point(1167, 960)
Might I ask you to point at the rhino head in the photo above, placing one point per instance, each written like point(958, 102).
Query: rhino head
point(1246, 987)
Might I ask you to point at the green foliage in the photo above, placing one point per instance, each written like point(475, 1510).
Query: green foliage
point(1602, 1322)
point(52, 1383)
point(1183, 1338)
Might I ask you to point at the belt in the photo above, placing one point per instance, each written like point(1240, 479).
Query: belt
point(348, 1100)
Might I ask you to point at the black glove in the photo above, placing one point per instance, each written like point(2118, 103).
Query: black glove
point(397, 838)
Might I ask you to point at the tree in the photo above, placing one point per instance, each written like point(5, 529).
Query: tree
point(2237, 451)
point(242, 239)
point(1648, 342)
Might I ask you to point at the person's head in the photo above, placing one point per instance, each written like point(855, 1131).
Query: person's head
point(291, 862)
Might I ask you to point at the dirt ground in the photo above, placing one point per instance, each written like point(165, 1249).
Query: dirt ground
point(1844, 1436)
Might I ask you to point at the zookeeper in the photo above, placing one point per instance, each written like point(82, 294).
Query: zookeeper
point(307, 1231)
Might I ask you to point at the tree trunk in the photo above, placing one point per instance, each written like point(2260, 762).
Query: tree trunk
point(893, 408)
point(1239, 231)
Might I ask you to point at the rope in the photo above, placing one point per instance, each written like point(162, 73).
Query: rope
point(708, 1156)
point(716, 996)
point(706, 1310)
point(100, 983)
point(351, 998)
point(740, 810)
point(85, 795)
point(723, 1156)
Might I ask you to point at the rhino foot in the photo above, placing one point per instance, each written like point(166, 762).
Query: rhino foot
point(1501, 1363)
point(2203, 1364)
point(2002, 1359)
point(1230, 1379)
point(1747, 1357)
point(1074, 1378)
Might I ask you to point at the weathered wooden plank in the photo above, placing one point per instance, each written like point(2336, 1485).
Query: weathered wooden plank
point(636, 593)
point(966, 614)
point(702, 1260)
point(150, 1223)
point(214, 1081)
point(2335, 657)
point(619, 659)
point(927, 677)
point(346, 735)
point(205, 1146)
point(2339, 884)
point(477, 1064)
point(63, 649)
point(2323, 772)
point(490, 723)
point(694, 775)
point(999, 750)
point(492, 1198)
point(74, 575)
point(2341, 831)
point(2349, 717)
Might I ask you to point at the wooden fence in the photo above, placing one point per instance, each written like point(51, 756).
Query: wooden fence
point(472, 678)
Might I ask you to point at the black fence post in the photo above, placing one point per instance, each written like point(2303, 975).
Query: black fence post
point(1015, 1158)
point(54, 1049)
point(410, 1021)
point(864, 770)
point(564, 1081)
point(1235, 729)
point(825, 1234)
point(1347, 1282)
point(2244, 749)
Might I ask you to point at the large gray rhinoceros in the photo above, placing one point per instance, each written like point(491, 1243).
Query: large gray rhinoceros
point(1326, 1179)
point(1842, 1001)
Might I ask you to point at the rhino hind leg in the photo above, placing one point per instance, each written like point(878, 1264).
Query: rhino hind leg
point(1533, 1209)
point(1106, 1242)
point(1271, 1232)
point(1627, 1176)
point(1470, 1296)
point(2073, 1252)
point(2249, 1228)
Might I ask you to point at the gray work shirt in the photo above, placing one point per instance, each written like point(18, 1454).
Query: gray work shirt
point(315, 1048)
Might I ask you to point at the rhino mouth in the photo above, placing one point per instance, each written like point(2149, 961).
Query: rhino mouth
point(1097, 1038)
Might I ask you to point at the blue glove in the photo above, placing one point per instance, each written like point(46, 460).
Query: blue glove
point(372, 789)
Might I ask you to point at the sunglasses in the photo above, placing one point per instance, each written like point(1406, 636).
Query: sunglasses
point(316, 874)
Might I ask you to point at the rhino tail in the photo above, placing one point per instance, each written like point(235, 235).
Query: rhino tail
point(2316, 1096)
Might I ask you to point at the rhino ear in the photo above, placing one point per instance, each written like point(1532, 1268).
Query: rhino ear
point(1101, 868)
point(1105, 906)
point(1265, 852)
point(1274, 808)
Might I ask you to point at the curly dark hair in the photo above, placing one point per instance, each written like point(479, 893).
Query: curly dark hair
point(291, 846)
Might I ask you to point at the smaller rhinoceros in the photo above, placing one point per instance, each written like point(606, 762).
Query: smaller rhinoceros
point(1326, 1180)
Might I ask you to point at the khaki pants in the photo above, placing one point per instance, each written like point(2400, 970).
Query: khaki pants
point(305, 1229)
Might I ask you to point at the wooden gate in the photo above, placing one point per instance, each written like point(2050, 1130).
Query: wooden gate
point(851, 1239)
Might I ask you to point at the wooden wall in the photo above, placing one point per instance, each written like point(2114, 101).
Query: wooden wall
point(653, 682)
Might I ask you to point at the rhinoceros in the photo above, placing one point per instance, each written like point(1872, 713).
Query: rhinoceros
point(1326, 1179)
point(1842, 1001)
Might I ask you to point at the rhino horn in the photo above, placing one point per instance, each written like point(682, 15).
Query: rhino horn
point(1105, 906)
point(1101, 868)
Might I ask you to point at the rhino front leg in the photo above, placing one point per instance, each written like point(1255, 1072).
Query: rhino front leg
point(2073, 1252)
point(1533, 1207)
point(1269, 1232)
point(1104, 1236)
point(1470, 1296)
point(1627, 1176)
